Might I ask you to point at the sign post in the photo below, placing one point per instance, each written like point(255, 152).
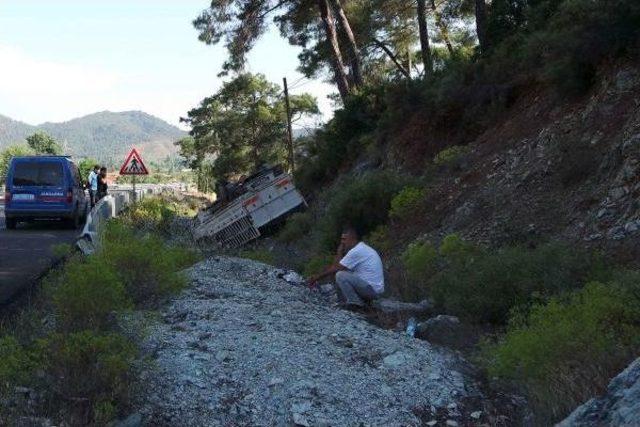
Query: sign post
point(134, 166)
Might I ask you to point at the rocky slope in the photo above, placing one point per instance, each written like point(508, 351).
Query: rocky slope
point(552, 168)
point(242, 346)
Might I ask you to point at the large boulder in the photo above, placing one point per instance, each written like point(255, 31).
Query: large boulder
point(389, 306)
point(620, 406)
point(443, 330)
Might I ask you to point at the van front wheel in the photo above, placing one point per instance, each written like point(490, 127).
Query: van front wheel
point(10, 223)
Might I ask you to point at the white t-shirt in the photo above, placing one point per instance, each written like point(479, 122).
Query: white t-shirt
point(365, 263)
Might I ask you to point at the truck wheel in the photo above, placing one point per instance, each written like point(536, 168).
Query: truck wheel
point(10, 223)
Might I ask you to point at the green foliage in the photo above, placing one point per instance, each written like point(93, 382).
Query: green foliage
point(104, 412)
point(90, 365)
point(456, 249)
point(450, 156)
point(407, 203)
point(10, 152)
point(297, 227)
point(380, 240)
point(85, 166)
point(565, 351)
point(261, 255)
point(148, 268)
point(363, 203)
point(16, 362)
point(154, 212)
point(242, 126)
point(486, 286)
point(86, 294)
point(420, 261)
point(317, 264)
point(81, 356)
point(61, 250)
point(42, 143)
point(342, 140)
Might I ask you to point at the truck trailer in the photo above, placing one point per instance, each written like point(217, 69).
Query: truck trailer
point(264, 199)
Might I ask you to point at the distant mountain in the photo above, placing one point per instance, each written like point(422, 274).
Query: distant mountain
point(107, 136)
point(13, 130)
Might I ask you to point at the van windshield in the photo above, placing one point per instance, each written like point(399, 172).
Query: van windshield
point(42, 174)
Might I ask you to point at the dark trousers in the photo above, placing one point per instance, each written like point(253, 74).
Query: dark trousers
point(92, 197)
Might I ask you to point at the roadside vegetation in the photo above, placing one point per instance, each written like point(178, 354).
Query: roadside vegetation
point(70, 349)
point(421, 84)
point(560, 321)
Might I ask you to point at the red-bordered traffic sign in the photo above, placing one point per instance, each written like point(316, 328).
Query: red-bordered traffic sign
point(134, 165)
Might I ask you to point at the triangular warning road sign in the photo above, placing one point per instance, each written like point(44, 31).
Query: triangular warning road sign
point(134, 165)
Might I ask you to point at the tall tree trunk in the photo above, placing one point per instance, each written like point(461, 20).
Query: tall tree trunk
point(481, 25)
point(352, 46)
point(336, 57)
point(424, 38)
point(444, 30)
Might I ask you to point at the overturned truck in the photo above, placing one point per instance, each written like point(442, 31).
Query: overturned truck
point(265, 199)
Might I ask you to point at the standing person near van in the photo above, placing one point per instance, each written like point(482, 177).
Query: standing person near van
point(93, 184)
point(102, 183)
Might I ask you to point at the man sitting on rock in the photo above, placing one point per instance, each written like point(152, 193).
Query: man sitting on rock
point(358, 270)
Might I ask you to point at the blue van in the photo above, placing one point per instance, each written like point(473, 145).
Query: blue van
point(44, 187)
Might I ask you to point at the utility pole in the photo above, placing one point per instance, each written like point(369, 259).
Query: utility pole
point(289, 131)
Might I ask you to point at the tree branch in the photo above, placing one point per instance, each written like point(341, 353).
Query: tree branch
point(393, 58)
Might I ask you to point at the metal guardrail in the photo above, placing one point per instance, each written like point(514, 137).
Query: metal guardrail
point(109, 207)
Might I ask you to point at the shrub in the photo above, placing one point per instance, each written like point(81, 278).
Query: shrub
point(484, 286)
point(363, 203)
point(16, 363)
point(87, 292)
point(342, 140)
point(450, 156)
point(61, 250)
point(420, 261)
point(298, 225)
point(148, 268)
point(154, 212)
point(407, 203)
point(91, 366)
point(379, 239)
point(565, 351)
point(456, 249)
point(316, 264)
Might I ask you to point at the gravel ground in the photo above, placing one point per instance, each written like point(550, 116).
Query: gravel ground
point(242, 346)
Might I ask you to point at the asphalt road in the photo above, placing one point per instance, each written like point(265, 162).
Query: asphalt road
point(25, 253)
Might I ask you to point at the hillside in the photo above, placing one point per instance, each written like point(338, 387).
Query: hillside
point(13, 130)
point(104, 135)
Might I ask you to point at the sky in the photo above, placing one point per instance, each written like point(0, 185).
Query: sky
point(67, 58)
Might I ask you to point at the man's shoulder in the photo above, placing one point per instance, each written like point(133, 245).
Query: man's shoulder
point(370, 251)
point(363, 248)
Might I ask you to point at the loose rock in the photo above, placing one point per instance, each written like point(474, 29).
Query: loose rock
point(311, 364)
